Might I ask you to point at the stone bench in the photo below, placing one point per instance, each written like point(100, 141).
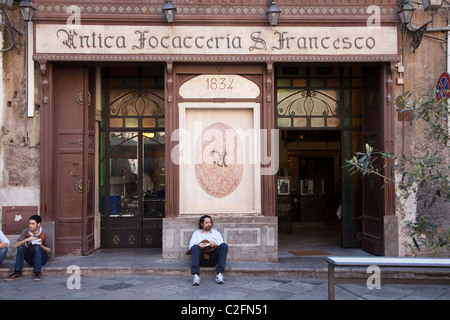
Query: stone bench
point(384, 262)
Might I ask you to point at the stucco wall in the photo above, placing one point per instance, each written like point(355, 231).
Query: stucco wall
point(20, 134)
point(422, 71)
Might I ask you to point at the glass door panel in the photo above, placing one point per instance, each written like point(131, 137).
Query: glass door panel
point(153, 177)
point(123, 195)
point(132, 177)
point(153, 188)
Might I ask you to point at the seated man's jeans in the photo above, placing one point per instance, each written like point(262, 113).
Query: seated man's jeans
point(36, 257)
point(3, 252)
point(218, 258)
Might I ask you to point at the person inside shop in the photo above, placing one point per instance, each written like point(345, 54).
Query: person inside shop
point(208, 250)
point(4, 245)
point(33, 245)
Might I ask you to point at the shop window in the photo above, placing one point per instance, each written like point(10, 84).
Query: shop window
point(318, 97)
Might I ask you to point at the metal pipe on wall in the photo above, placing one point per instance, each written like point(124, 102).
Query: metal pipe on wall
point(30, 69)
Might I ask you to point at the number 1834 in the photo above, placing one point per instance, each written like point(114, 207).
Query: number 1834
point(219, 83)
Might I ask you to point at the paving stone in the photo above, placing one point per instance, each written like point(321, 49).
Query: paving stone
point(236, 288)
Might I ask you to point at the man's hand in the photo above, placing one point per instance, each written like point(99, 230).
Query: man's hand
point(211, 244)
point(46, 249)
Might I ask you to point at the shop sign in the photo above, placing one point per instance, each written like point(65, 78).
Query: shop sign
point(139, 40)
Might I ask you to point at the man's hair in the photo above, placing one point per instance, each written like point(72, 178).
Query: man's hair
point(35, 217)
point(202, 218)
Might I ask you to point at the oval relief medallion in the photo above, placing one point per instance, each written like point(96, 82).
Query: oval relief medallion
point(219, 167)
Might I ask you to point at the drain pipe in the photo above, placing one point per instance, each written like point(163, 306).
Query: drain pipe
point(30, 68)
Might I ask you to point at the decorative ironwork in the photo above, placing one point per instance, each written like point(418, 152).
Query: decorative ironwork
point(116, 239)
point(148, 239)
point(131, 239)
point(306, 102)
point(418, 35)
point(137, 102)
point(9, 31)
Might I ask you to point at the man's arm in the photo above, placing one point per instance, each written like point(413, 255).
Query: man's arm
point(22, 242)
point(22, 239)
point(218, 237)
point(46, 249)
point(48, 242)
point(194, 239)
point(4, 241)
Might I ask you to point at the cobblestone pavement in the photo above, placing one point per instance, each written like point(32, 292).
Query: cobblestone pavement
point(138, 287)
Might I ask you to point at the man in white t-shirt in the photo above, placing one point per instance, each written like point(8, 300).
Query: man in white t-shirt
point(4, 244)
point(201, 239)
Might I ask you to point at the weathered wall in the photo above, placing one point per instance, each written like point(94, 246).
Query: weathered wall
point(20, 135)
point(422, 70)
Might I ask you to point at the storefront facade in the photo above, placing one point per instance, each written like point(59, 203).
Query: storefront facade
point(145, 126)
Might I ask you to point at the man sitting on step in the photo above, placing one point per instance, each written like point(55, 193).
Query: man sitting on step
point(32, 246)
point(208, 250)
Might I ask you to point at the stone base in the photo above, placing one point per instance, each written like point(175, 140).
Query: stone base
point(391, 245)
point(249, 238)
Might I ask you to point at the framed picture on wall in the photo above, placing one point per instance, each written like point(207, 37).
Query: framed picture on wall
point(284, 186)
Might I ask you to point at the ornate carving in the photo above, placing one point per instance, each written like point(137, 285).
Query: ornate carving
point(215, 8)
point(80, 98)
point(44, 83)
point(80, 142)
point(206, 58)
point(79, 185)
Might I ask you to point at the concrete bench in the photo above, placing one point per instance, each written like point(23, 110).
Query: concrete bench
point(381, 262)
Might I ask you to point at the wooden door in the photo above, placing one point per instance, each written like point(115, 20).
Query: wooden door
point(373, 134)
point(74, 160)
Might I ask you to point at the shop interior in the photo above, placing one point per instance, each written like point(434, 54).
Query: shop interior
point(319, 115)
point(309, 183)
